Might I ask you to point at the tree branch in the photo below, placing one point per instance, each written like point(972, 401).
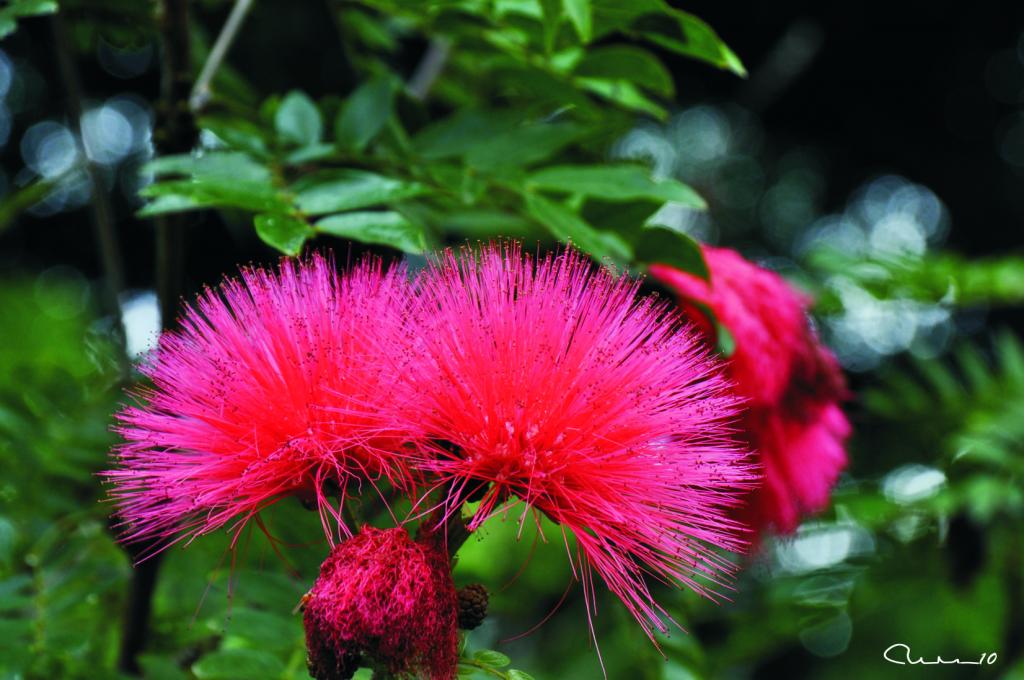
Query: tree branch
point(429, 69)
point(175, 133)
point(201, 91)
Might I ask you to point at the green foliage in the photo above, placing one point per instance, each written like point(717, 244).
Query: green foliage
point(59, 570)
point(975, 416)
point(366, 112)
point(425, 169)
point(509, 137)
point(298, 120)
point(19, 9)
point(487, 663)
point(943, 277)
point(285, 232)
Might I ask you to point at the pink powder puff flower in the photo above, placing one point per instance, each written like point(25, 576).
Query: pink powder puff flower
point(791, 382)
point(385, 601)
point(550, 382)
point(275, 384)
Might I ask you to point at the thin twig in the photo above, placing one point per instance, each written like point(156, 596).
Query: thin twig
point(175, 133)
point(201, 91)
point(429, 69)
point(102, 211)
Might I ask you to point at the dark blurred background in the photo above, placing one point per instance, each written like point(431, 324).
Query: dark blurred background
point(930, 91)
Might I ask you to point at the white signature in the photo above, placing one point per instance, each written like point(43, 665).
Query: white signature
point(904, 659)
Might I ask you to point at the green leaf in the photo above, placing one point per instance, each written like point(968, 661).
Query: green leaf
point(578, 12)
point(8, 538)
point(346, 189)
point(457, 134)
point(615, 182)
point(174, 203)
point(514, 674)
point(286, 233)
point(489, 657)
point(230, 164)
point(211, 192)
point(238, 664)
point(310, 154)
point(552, 12)
point(485, 224)
point(624, 62)
point(523, 145)
point(365, 113)
point(238, 133)
point(298, 120)
point(660, 23)
point(566, 225)
point(382, 227)
point(623, 93)
point(23, 8)
point(694, 38)
point(157, 667)
point(19, 200)
point(272, 631)
point(671, 247)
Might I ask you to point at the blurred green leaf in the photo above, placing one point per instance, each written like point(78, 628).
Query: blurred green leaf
point(489, 657)
point(19, 9)
point(566, 225)
point(625, 62)
point(155, 667)
point(8, 536)
point(484, 224)
point(615, 183)
point(947, 277)
point(264, 629)
point(663, 25)
point(222, 164)
point(692, 38)
point(552, 13)
point(625, 94)
point(460, 132)
point(578, 12)
point(514, 674)
point(298, 120)
point(18, 201)
point(523, 145)
point(310, 154)
point(384, 227)
point(211, 191)
point(284, 232)
point(346, 189)
point(671, 247)
point(238, 133)
point(237, 664)
point(365, 113)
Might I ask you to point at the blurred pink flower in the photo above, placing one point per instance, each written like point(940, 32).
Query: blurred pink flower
point(385, 601)
point(549, 382)
point(791, 382)
point(275, 384)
